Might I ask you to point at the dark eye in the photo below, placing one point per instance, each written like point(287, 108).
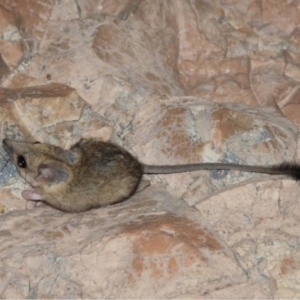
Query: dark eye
point(37, 142)
point(21, 161)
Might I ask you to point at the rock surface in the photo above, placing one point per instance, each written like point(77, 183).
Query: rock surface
point(173, 82)
point(140, 248)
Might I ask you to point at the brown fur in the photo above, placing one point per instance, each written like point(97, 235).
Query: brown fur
point(101, 174)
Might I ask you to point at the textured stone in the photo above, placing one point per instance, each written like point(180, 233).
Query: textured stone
point(139, 248)
point(253, 220)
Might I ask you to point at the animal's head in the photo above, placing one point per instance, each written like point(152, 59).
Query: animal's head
point(41, 164)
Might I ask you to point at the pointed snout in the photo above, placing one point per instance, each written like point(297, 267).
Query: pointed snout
point(7, 145)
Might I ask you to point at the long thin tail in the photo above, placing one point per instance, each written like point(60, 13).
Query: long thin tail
point(286, 168)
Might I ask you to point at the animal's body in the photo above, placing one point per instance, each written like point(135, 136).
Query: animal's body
point(95, 173)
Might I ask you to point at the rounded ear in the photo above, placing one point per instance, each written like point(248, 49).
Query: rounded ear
point(52, 173)
point(67, 156)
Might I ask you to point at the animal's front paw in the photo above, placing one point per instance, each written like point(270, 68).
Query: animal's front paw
point(31, 195)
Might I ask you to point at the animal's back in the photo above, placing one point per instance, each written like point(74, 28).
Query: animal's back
point(105, 174)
